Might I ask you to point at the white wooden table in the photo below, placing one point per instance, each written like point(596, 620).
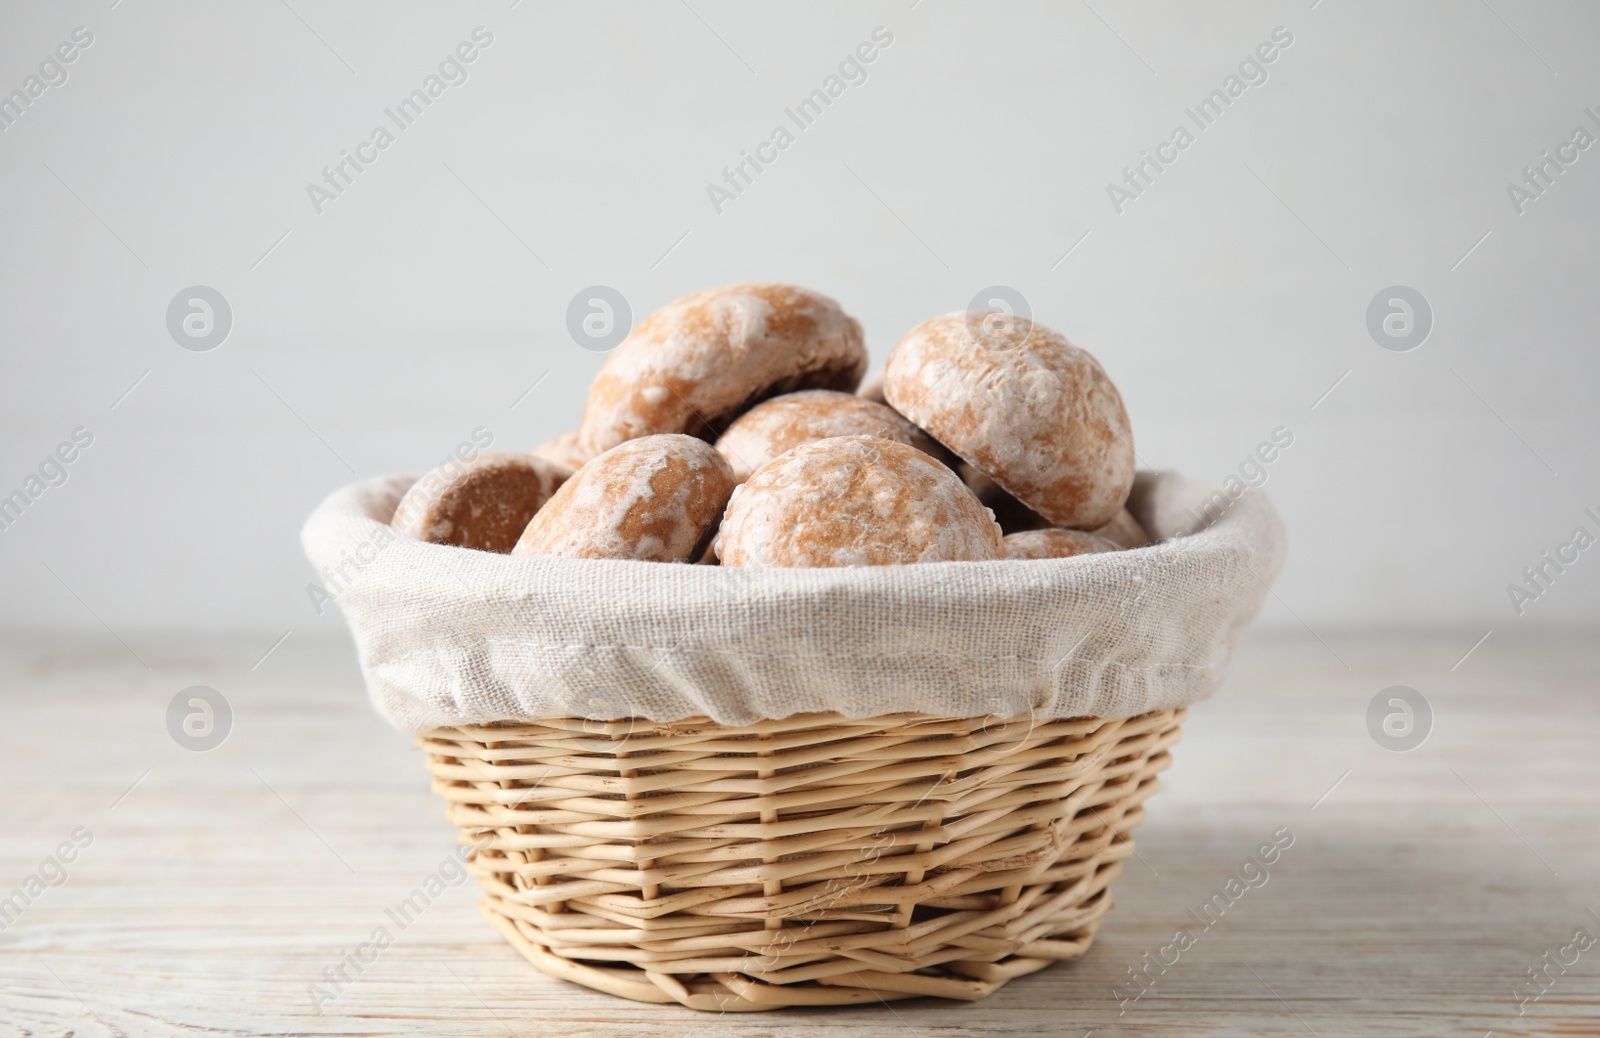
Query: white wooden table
point(218, 887)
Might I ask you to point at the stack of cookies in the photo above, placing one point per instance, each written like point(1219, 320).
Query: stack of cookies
point(727, 428)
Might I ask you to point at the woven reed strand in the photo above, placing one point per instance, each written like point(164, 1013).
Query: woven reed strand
point(811, 861)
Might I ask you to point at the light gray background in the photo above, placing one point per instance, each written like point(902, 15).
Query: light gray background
point(427, 299)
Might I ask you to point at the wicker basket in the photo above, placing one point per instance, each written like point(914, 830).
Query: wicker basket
point(816, 860)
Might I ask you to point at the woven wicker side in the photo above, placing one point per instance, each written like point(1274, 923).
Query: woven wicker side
point(816, 860)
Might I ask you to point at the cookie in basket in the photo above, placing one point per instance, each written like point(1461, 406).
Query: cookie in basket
point(872, 388)
point(698, 363)
point(1014, 517)
point(655, 498)
point(854, 501)
point(564, 449)
point(1011, 514)
point(785, 422)
point(484, 502)
point(1054, 544)
point(1025, 407)
point(1124, 531)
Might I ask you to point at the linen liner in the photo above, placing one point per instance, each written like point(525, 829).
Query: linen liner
point(450, 636)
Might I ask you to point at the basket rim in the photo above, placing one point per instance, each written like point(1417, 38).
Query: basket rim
point(370, 503)
point(449, 635)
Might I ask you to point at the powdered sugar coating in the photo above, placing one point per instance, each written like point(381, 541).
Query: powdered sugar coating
point(697, 363)
point(1054, 544)
point(655, 498)
point(483, 502)
point(564, 449)
point(1026, 407)
point(854, 501)
point(785, 422)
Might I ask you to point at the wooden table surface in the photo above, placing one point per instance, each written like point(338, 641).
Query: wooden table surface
point(209, 891)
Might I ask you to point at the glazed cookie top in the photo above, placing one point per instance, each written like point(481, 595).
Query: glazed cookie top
point(1054, 544)
point(784, 422)
point(655, 498)
point(1023, 405)
point(854, 501)
point(484, 502)
point(697, 363)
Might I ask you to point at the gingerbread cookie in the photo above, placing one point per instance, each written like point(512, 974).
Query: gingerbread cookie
point(564, 449)
point(783, 422)
point(1014, 516)
point(854, 501)
point(1024, 406)
point(1011, 514)
point(484, 502)
point(655, 498)
point(1054, 544)
point(696, 364)
point(1124, 531)
point(872, 388)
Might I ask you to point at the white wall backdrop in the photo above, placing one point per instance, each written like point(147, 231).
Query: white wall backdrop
point(373, 331)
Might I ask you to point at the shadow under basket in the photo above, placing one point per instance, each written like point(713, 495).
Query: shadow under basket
point(817, 860)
